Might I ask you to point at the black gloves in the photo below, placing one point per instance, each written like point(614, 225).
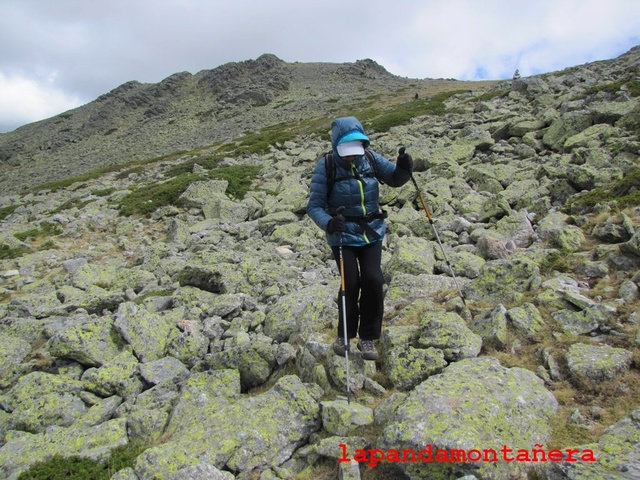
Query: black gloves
point(336, 224)
point(404, 160)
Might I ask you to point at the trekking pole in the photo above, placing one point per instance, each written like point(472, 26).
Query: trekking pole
point(435, 231)
point(343, 295)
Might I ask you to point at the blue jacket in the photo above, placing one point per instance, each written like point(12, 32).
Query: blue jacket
point(355, 188)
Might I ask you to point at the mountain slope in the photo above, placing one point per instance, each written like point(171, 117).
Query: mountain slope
point(138, 121)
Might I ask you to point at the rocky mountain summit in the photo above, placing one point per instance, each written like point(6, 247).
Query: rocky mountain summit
point(180, 304)
point(138, 121)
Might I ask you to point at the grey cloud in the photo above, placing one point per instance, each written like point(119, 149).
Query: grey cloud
point(90, 48)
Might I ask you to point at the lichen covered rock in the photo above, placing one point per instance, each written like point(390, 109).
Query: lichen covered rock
point(451, 411)
point(12, 351)
point(253, 432)
point(40, 400)
point(616, 454)
point(148, 333)
point(597, 362)
point(447, 331)
point(503, 280)
point(405, 363)
point(342, 418)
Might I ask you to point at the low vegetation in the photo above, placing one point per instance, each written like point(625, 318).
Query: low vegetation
point(99, 172)
point(7, 252)
point(630, 84)
point(66, 182)
point(6, 211)
point(624, 192)
point(78, 468)
point(76, 202)
point(401, 114)
point(261, 142)
point(146, 199)
point(39, 238)
point(46, 229)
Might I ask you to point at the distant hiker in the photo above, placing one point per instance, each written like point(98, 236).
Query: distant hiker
point(348, 177)
point(416, 97)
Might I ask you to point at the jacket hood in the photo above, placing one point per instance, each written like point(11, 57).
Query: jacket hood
point(346, 129)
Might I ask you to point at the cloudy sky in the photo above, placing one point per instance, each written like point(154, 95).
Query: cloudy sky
point(56, 55)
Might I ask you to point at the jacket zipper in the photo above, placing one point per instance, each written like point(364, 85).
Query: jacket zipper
point(362, 205)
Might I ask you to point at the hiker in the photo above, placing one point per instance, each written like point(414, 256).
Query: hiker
point(346, 179)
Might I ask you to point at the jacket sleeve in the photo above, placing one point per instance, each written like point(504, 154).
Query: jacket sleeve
point(316, 206)
point(389, 172)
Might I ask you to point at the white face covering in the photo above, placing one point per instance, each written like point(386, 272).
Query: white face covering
point(347, 149)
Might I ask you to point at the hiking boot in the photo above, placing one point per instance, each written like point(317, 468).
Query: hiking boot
point(339, 347)
point(368, 349)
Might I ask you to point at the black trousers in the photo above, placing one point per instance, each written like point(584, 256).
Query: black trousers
point(363, 286)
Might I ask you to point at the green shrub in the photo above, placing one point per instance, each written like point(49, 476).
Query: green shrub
point(624, 191)
point(403, 113)
point(48, 245)
point(262, 141)
point(65, 182)
point(76, 202)
point(240, 178)
point(6, 211)
point(70, 468)
point(205, 161)
point(147, 199)
point(78, 468)
point(555, 260)
point(98, 172)
point(629, 83)
point(46, 229)
point(124, 456)
point(105, 192)
point(385, 122)
point(7, 253)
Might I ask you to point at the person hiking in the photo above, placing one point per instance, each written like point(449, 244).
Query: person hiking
point(344, 202)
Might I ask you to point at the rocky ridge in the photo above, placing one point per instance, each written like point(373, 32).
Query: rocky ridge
point(203, 329)
point(136, 121)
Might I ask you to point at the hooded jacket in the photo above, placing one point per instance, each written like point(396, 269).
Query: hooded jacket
point(355, 188)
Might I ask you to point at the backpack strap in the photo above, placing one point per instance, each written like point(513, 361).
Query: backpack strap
point(330, 167)
point(372, 162)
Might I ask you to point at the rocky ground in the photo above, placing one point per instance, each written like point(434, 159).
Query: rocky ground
point(201, 330)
